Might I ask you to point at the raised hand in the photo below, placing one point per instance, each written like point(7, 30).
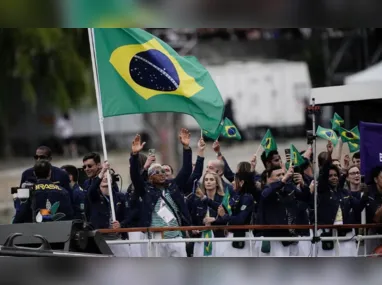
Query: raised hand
point(137, 146)
point(297, 178)
point(150, 160)
point(289, 174)
point(105, 168)
point(329, 147)
point(184, 137)
point(201, 144)
point(216, 146)
point(346, 161)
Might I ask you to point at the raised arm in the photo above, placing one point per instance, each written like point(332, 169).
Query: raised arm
point(228, 173)
point(135, 175)
point(185, 172)
point(93, 190)
point(198, 170)
point(276, 186)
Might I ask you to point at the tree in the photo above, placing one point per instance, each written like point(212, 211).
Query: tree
point(53, 62)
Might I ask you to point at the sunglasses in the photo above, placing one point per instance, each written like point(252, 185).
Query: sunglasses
point(87, 166)
point(36, 157)
point(160, 172)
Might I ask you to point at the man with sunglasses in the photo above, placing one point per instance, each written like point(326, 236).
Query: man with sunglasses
point(92, 167)
point(163, 203)
point(58, 176)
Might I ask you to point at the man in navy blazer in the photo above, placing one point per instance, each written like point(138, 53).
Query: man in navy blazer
point(58, 176)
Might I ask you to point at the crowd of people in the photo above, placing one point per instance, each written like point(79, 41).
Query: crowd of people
point(207, 194)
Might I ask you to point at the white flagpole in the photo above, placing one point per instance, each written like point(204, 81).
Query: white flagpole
point(100, 114)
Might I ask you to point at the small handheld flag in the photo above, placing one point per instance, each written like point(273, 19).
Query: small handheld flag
point(353, 147)
point(229, 130)
point(327, 134)
point(350, 136)
point(295, 156)
point(268, 142)
point(337, 122)
point(296, 159)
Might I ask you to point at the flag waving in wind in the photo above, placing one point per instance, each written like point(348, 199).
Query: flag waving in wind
point(214, 135)
point(295, 157)
point(268, 142)
point(350, 136)
point(337, 122)
point(353, 147)
point(227, 129)
point(327, 134)
point(139, 73)
point(230, 131)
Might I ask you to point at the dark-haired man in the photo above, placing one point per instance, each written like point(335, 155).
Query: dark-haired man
point(283, 203)
point(356, 159)
point(272, 159)
point(58, 176)
point(92, 167)
point(47, 202)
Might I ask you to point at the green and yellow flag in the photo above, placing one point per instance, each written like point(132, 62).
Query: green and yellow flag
point(207, 244)
point(268, 142)
point(350, 136)
point(295, 157)
point(337, 122)
point(353, 146)
point(214, 135)
point(139, 73)
point(225, 201)
point(230, 131)
point(327, 134)
point(226, 129)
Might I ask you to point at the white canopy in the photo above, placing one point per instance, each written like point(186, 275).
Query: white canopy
point(364, 85)
point(371, 74)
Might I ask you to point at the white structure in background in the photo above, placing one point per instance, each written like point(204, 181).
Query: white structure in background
point(363, 85)
point(371, 74)
point(264, 94)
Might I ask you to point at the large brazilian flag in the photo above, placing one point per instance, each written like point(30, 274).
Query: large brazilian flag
point(139, 73)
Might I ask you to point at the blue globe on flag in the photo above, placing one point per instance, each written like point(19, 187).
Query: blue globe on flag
point(232, 131)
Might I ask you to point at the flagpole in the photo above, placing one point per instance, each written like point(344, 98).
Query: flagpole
point(100, 115)
point(258, 149)
point(314, 177)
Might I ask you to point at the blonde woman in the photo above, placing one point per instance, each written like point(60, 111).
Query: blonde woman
point(201, 213)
